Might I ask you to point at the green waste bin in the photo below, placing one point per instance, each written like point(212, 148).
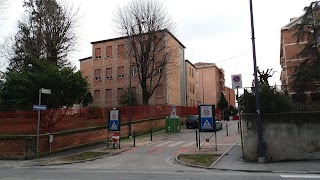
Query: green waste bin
point(173, 124)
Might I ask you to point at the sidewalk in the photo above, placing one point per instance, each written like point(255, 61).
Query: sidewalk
point(232, 160)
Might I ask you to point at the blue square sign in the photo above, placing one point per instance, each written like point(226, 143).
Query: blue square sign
point(207, 123)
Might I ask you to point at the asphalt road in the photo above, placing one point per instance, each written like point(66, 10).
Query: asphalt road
point(149, 160)
point(79, 173)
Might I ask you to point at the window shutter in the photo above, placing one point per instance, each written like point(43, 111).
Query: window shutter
point(97, 74)
point(109, 51)
point(109, 73)
point(109, 94)
point(98, 53)
point(121, 71)
point(121, 50)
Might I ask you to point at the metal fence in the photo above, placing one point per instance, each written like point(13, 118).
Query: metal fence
point(25, 122)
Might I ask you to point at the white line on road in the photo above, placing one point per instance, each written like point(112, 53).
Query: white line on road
point(175, 144)
point(164, 143)
point(304, 176)
point(189, 144)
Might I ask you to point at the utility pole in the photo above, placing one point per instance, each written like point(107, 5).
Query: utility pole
point(261, 143)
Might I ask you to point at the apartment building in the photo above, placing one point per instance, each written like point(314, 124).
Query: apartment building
point(109, 72)
point(191, 84)
point(210, 82)
point(289, 50)
point(289, 56)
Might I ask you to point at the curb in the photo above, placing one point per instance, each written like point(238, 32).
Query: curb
point(211, 166)
point(80, 161)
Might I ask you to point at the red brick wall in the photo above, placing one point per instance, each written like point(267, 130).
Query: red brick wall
point(24, 147)
point(12, 148)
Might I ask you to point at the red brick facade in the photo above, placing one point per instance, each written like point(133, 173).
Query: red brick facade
point(109, 75)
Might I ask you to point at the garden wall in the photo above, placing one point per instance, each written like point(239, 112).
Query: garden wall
point(24, 146)
point(287, 136)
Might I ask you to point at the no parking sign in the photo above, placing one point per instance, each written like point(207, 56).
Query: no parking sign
point(236, 81)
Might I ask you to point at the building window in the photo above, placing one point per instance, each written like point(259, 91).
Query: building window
point(159, 91)
point(197, 84)
point(97, 74)
point(108, 94)
point(133, 71)
point(158, 67)
point(121, 72)
point(109, 73)
point(120, 93)
point(190, 87)
point(109, 51)
point(197, 95)
point(193, 89)
point(97, 53)
point(121, 50)
point(96, 95)
point(192, 75)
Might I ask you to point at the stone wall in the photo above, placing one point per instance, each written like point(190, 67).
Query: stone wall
point(287, 136)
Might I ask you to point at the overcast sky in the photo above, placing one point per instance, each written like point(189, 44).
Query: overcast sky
point(215, 31)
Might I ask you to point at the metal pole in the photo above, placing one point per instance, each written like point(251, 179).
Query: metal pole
point(134, 138)
point(261, 147)
point(197, 136)
point(227, 129)
point(38, 126)
point(215, 139)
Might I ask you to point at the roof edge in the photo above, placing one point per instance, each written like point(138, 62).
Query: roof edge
point(126, 37)
point(85, 58)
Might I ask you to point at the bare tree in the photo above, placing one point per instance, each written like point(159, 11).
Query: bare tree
point(264, 75)
point(146, 23)
point(46, 34)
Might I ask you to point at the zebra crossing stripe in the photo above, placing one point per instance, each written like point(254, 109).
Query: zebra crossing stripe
point(189, 144)
point(176, 143)
point(164, 143)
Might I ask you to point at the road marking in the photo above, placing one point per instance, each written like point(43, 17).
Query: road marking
point(176, 143)
point(189, 144)
point(304, 176)
point(164, 143)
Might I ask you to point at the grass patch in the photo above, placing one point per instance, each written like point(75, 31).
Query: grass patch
point(84, 156)
point(204, 160)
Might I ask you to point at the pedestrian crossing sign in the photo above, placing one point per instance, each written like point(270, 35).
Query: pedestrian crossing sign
point(114, 120)
point(207, 123)
point(206, 117)
point(114, 125)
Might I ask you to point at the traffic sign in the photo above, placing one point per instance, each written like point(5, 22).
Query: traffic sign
point(45, 91)
point(114, 120)
point(207, 120)
point(39, 107)
point(207, 123)
point(236, 81)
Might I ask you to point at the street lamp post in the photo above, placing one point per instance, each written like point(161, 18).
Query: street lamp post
point(261, 145)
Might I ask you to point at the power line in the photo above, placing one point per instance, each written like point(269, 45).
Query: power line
point(232, 57)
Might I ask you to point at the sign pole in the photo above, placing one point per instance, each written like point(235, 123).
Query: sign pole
point(38, 124)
